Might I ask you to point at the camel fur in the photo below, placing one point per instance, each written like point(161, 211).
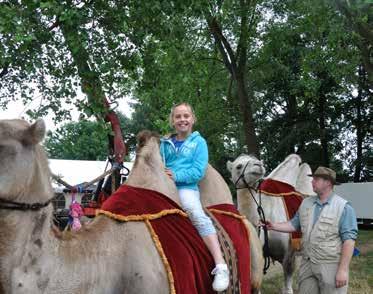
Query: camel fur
point(246, 171)
point(105, 256)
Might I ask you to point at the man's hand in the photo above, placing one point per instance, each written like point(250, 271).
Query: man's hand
point(268, 224)
point(169, 173)
point(346, 254)
point(285, 227)
point(341, 278)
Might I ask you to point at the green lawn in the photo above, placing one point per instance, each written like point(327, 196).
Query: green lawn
point(361, 276)
point(361, 270)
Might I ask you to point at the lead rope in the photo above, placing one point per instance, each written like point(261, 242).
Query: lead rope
point(266, 249)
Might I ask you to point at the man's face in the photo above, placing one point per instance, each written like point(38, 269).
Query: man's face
point(320, 185)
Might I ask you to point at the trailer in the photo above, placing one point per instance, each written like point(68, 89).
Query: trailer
point(360, 196)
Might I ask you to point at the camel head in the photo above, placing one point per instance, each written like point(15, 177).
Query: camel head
point(146, 142)
point(23, 165)
point(247, 166)
point(148, 146)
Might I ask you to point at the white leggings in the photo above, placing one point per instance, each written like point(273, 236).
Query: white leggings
point(191, 203)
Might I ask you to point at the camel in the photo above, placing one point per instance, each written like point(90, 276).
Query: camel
point(105, 256)
point(246, 171)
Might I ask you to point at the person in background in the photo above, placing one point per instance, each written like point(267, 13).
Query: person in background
point(329, 230)
point(185, 155)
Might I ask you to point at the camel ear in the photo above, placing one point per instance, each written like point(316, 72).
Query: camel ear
point(35, 133)
point(229, 165)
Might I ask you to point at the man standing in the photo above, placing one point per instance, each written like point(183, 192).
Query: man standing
point(329, 230)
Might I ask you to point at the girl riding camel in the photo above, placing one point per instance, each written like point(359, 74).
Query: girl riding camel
point(185, 156)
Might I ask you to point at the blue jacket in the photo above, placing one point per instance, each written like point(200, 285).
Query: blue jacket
point(189, 163)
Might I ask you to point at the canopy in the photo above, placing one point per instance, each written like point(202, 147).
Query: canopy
point(75, 172)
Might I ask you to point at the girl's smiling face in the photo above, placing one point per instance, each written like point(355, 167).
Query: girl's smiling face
point(183, 120)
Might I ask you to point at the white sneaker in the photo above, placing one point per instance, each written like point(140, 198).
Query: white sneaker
point(221, 279)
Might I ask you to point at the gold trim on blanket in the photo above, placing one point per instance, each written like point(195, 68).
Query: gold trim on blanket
point(227, 213)
point(147, 218)
point(281, 194)
point(159, 247)
point(140, 217)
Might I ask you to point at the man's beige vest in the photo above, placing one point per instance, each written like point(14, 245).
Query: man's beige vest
point(321, 243)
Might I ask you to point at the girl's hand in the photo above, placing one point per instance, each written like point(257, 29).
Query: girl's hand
point(169, 173)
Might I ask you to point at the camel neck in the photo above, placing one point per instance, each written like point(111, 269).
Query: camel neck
point(143, 175)
point(25, 244)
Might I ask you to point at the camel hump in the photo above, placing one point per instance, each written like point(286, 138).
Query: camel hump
point(213, 188)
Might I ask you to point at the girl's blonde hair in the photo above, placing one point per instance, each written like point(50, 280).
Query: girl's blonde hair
point(170, 118)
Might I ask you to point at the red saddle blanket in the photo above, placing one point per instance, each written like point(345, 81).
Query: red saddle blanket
point(187, 260)
point(291, 198)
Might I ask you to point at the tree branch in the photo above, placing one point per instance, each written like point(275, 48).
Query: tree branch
point(242, 42)
point(54, 25)
point(223, 44)
point(4, 71)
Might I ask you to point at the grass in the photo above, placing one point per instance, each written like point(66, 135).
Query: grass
point(361, 270)
point(361, 267)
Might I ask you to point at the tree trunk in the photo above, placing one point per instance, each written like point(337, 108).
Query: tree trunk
point(236, 64)
point(91, 86)
point(359, 128)
point(247, 116)
point(323, 131)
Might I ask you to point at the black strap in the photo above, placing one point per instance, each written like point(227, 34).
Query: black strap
point(266, 249)
point(12, 205)
point(242, 176)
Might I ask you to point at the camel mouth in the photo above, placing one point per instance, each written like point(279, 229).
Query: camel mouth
point(257, 173)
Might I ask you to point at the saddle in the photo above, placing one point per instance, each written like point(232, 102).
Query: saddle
point(186, 259)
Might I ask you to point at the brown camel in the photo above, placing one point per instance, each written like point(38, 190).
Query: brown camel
point(105, 256)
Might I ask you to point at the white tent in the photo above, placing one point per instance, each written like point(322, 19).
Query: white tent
point(75, 172)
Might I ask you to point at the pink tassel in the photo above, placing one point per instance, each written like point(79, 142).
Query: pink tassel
point(76, 213)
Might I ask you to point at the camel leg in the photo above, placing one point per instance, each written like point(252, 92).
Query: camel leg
point(256, 258)
point(288, 266)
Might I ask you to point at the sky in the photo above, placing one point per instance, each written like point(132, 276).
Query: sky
point(16, 109)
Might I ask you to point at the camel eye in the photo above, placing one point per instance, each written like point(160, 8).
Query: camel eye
point(239, 166)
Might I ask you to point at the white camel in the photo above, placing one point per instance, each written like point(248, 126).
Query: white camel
point(246, 171)
point(104, 257)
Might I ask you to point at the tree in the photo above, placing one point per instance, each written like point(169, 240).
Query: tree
point(83, 140)
point(305, 72)
point(359, 18)
point(273, 77)
point(245, 15)
point(87, 140)
point(56, 49)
